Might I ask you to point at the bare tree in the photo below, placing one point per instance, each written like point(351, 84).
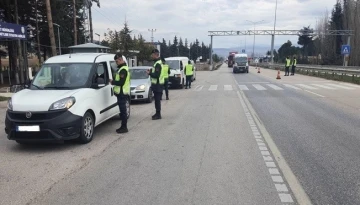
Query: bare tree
point(51, 27)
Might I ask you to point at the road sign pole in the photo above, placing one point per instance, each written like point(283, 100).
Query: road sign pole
point(346, 60)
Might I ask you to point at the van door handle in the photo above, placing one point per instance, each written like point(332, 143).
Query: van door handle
point(112, 91)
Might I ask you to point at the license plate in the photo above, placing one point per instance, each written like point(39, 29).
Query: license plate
point(34, 128)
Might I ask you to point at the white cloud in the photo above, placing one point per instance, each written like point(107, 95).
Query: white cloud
point(193, 19)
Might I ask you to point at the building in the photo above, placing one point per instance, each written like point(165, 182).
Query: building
point(89, 48)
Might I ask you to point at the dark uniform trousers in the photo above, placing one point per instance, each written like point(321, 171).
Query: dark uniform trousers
point(293, 70)
point(188, 81)
point(121, 100)
point(166, 87)
point(157, 90)
point(287, 70)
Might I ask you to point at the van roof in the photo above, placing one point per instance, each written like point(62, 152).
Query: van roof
point(177, 58)
point(77, 58)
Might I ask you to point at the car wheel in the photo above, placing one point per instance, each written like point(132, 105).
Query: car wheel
point(150, 96)
point(128, 108)
point(87, 128)
point(182, 84)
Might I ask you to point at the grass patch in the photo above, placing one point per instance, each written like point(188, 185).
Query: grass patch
point(2, 98)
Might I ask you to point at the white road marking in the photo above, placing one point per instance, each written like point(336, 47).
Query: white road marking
point(277, 179)
point(243, 87)
point(267, 158)
point(263, 148)
point(270, 164)
point(340, 86)
point(253, 82)
point(228, 87)
point(259, 87)
point(265, 153)
point(291, 86)
point(307, 86)
point(314, 93)
point(324, 86)
point(275, 87)
point(274, 171)
point(281, 188)
point(286, 198)
point(213, 87)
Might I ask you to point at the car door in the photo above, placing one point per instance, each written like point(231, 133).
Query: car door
point(105, 93)
point(112, 68)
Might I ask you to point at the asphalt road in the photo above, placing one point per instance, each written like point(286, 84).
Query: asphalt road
point(205, 150)
point(231, 139)
point(316, 128)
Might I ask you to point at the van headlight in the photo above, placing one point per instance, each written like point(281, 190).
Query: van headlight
point(9, 105)
point(140, 87)
point(65, 103)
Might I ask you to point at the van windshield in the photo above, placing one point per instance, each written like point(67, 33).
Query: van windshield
point(240, 59)
point(173, 64)
point(62, 76)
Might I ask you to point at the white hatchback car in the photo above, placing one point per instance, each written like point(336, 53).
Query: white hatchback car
point(67, 98)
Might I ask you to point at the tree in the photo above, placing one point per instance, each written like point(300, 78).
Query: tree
point(305, 39)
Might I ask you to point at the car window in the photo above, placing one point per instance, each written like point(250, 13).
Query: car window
point(114, 68)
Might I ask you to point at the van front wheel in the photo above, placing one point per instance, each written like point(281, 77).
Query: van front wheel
point(87, 129)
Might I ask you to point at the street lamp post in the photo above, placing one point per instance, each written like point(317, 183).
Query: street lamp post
point(273, 37)
point(58, 26)
point(98, 36)
point(253, 53)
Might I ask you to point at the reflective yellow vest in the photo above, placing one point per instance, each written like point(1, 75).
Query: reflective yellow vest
point(161, 78)
point(189, 69)
point(165, 70)
point(126, 87)
point(294, 62)
point(288, 62)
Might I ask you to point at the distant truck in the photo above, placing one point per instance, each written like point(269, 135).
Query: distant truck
point(231, 59)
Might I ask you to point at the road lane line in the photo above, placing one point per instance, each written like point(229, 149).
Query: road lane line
point(291, 86)
point(243, 87)
point(314, 93)
point(307, 87)
point(259, 87)
point(199, 88)
point(294, 184)
point(228, 87)
point(213, 87)
point(351, 85)
point(275, 87)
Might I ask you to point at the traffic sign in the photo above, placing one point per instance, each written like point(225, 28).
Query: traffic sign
point(243, 51)
point(345, 49)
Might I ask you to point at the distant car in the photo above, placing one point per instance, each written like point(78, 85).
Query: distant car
point(240, 64)
point(140, 84)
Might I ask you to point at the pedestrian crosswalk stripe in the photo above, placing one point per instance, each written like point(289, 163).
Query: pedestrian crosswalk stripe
point(243, 87)
point(291, 86)
point(228, 87)
point(275, 87)
point(307, 87)
point(199, 88)
point(259, 87)
point(213, 88)
point(340, 86)
point(324, 86)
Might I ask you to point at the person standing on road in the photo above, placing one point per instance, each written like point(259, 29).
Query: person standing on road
point(287, 66)
point(294, 62)
point(189, 71)
point(166, 73)
point(157, 82)
point(121, 84)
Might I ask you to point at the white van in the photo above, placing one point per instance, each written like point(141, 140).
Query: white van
point(241, 63)
point(177, 77)
point(68, 97)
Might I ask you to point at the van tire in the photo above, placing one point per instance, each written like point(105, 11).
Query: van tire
point(87, 128)
point(182, 84)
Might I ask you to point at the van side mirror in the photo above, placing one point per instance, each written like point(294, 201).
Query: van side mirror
point(98, 83)
point(27, 83)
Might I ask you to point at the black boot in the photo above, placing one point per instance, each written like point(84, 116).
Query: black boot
point(167, 97)
point(157, 116)
point(122, 129)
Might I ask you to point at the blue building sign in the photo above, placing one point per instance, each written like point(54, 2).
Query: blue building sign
point(12, 31)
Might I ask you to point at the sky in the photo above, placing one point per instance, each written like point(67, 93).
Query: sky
point(193, 19)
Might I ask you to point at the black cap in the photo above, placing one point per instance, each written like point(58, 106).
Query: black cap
point(155, 51)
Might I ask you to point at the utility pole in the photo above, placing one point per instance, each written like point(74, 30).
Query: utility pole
point(20, 56)
point(38, 33)
point(253, 53)
point(51, 28)
point(152, 34)
point(91, 26)
point(75, 26)
point(273, 38)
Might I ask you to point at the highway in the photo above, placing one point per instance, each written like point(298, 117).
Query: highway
point(230, 139)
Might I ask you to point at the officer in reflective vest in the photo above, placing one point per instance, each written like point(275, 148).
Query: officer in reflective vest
point(157, 82)
point(121, 84)
point(294, 62)
point(189, 71)
point(166, 73)
point(287, 66)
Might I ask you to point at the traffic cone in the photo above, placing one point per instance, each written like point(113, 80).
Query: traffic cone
point(278, 75)
point(258, 69)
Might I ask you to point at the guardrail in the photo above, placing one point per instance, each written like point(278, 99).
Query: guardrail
point(346, 74)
